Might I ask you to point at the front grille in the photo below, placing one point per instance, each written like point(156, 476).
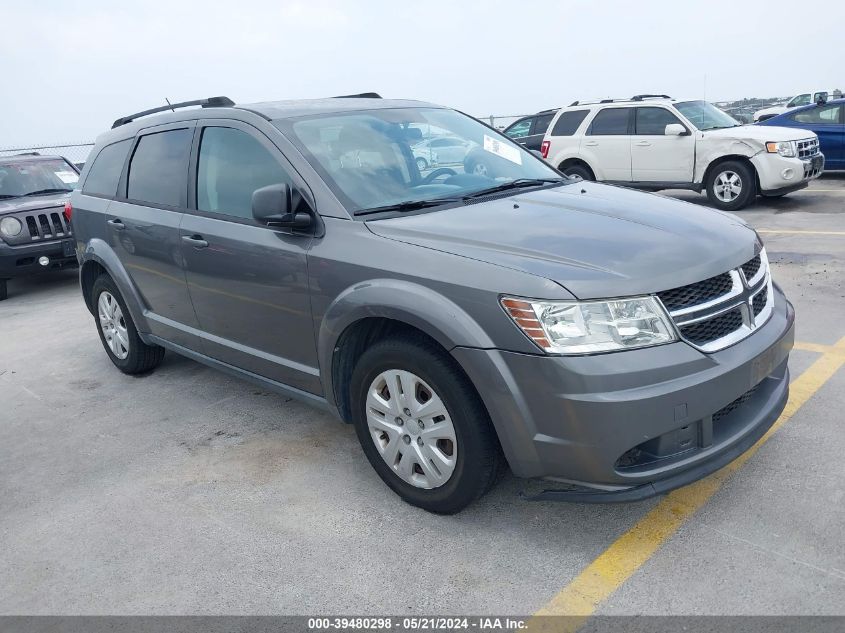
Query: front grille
point(760, 300)
point(751, 268)
point(46, 225)
point(724, 309)
point(703, 332)
point(733, 406)
point(808, 148)
point(694, 294)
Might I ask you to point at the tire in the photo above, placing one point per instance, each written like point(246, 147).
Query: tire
point(4, 291)
point(474, 452)
point(731, 185)
point(118, 328)
point(479, 168)
point(422, 163)
point(579, 172)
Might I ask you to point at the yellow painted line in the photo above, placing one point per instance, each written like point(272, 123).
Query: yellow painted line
point(601, 578)
point(815, 347)
point(798, 232)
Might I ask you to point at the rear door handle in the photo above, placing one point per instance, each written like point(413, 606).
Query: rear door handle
point(591, 143)
point(644, 144)
point(195, 240)
point(117, 223)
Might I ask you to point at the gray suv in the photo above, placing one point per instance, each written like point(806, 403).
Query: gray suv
point(619, 343)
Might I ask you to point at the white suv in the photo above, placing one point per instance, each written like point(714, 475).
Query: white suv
point(805, 98)
point(654, 142)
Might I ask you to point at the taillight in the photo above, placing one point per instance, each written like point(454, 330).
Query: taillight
point(544, 149)
point(68, 212)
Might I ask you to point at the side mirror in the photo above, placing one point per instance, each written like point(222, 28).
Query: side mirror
point(675, 129)
point(274, 205)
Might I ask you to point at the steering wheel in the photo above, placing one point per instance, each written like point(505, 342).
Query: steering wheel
point(438, 173)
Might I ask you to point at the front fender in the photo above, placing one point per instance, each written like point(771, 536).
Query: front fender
point(708, 151)
point(99, 251)
point(407, 302)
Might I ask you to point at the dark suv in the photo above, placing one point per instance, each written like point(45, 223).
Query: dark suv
point(34, 230)
point(623, 343)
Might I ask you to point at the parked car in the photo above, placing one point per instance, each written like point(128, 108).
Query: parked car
point(440, 150)
point(624, 343)
point(529, 131)
point(35, 235)
point(825, 120)
point(654, 142)
point(805, 98)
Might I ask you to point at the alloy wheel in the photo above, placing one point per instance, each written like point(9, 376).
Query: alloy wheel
point(727, 186)
point(113, 325)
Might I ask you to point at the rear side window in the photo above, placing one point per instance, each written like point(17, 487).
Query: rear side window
point(158, 171)
point(653, 121)
point(610, 122)
point(568, 122)
point(541, 124)
point(232, 165)
point(105, 172)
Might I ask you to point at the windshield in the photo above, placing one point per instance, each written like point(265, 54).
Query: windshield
point(405, 156)
point(705, 116)
point(32, 177)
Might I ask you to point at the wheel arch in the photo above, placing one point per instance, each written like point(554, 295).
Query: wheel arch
point(370, 311)
point(575, 160)
point(99, 258)
point(708, 170)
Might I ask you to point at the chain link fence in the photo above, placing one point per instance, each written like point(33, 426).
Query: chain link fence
point(76, 153)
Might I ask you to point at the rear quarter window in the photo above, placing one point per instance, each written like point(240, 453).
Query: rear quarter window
point(568, 122)
point(105, 172)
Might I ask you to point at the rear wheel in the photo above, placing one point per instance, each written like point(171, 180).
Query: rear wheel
point(422, 425)
point(117, 330)
point(731, 185)
point(422, 163)
point(578, 172)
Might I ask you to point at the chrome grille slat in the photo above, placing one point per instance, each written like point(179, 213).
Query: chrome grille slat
point(808, 148)
point(718, 320)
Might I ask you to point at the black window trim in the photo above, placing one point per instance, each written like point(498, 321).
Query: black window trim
point(92, 161)
point(123, 183)
point(628, 132)
point(669, 110)
point(275, 151)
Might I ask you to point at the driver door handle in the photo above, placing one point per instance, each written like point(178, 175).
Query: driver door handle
point(195, 240)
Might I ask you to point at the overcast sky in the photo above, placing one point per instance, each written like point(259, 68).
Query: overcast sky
point(71, 67)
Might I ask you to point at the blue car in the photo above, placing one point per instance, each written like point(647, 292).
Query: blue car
point(827, 121)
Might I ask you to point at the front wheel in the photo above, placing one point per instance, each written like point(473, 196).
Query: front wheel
point(422, 425)
point(422, 163)
point(731, 185)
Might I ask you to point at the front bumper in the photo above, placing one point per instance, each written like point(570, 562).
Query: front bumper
point(779, 174)
point(636, 423)
point(21, 261)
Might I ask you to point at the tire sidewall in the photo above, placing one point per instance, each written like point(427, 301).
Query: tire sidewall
point(577, 170)
point(748, 192)
point(461, 487)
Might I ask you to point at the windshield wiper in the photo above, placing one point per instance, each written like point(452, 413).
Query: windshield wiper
point(519, 183)
point(6, 196)
point(408, 205)
point(42, 192)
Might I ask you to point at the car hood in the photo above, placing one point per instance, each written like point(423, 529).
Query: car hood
point(771, 110)
point(15, 205)
point(594, 240)
point(760, 134)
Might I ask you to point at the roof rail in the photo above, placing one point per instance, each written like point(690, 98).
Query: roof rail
point(211, 102)
point(28, 154)
point(363, 95)
point(641, 97)
point(575, 103)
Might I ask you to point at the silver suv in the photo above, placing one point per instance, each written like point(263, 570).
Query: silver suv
point(622, 343)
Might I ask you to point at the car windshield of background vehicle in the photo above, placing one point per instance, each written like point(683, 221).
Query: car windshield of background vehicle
point(706, 116)
point(35, 177)
point(382, 158)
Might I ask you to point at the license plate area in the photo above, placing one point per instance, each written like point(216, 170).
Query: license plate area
point(67, 248)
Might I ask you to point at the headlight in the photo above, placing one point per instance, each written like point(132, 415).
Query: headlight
point(784, 148)
point(583, 327)
point(10, 227)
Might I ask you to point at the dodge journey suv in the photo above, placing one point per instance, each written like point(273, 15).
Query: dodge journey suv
point(619, 343)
